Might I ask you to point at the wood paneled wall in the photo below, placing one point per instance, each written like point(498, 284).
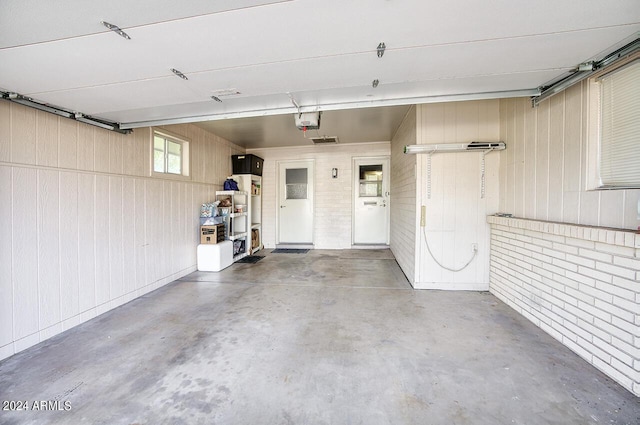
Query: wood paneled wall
point(543, 169)
point(456, 212)
point(83, 227)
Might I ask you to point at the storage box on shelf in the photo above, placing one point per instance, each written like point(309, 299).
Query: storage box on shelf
point(247, 164)
point(252, 184)
point(235, 220)
point(212, 234)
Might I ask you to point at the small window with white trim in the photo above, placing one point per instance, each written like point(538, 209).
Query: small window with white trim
point(617, 154)
point(170, 154)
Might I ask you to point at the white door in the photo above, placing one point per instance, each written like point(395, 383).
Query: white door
point(371, 201)
point(295, 202)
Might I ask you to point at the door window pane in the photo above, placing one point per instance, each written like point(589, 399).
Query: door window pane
point(370, 181)
point(296, 183)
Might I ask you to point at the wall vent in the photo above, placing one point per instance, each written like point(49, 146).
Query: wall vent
point(324, 140)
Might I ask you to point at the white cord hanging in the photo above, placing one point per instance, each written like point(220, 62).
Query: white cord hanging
point(426, 241)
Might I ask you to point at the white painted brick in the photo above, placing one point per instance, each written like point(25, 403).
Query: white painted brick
point(613, 351)
point(637, 252)
point(607, 308)
point(595, 311)
point(596, 255)
point(629, 263)
point(613, 373)
point(598, 275)
point(626, 326)
point(553, 238)
point(565, 248)
point(553, 253)
point(565, 265)
point(581, 243)
point(594, 331)
point(629, 239)
point(637, 241)
point(585, 354)
point(554, 269)
point(596, 351)
point(580, 296)
point(581, 278)
point(596, 293)
point(565, 298)
point(615, 270)
point(616, 290)
point(564, 281)
point(581, 261)
point(612, 330)
point(632, 285)
point(615, 249)
point(577, 330)
point(541, 243)
point(631, 306)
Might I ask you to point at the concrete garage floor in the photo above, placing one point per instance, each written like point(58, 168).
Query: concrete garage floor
point(328, 337)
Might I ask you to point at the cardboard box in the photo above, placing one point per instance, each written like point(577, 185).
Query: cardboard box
point(212, 234)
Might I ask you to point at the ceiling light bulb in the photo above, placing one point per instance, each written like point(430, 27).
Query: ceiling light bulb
point(375, 83)
point(381, 48)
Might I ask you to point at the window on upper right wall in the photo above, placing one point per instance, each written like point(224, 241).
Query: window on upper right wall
point(616, 158)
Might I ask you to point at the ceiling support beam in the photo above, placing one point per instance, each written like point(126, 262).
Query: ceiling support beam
point(335, 107)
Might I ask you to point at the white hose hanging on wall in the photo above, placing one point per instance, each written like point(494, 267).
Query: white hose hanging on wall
point(475, 252)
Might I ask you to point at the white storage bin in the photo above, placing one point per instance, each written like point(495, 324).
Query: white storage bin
point(213, 258)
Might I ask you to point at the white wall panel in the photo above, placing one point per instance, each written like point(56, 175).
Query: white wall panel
point(68, 154)
point(6, 281)
point(102, 231)
point(23, 134)
point(129, 234)
point(25, 252)
point(5, 131)
point(84, 227)
point(101, 150)
point(49, 259)
point(456, 211)
point(555, 145)
point(86, 147)
point(116, 256)
point(69, 245)
point(87, 220)
point(48, 126)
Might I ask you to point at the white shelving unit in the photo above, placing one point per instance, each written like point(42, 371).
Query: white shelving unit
point(238, 229)
point(252, 185)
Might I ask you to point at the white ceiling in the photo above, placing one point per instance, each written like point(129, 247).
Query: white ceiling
point(320, 53)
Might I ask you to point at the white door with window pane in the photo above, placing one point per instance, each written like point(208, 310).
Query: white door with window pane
point(295, 202)
point(371, 201)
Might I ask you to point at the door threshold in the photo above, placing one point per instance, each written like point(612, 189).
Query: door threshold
point(369, 246)
point(294, 246)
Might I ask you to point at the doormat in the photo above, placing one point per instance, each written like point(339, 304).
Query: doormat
point(251, 259)
point(289, 251)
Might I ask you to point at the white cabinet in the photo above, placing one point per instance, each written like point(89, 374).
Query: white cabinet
point(252, 185)
point(235, 219)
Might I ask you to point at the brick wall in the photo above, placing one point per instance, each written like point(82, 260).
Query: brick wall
point(580, 284)
point(403, 196)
